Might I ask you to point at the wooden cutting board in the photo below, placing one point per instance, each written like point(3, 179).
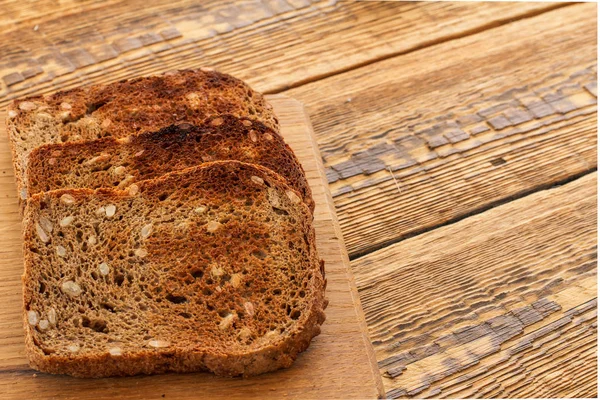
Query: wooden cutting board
point(340, 362)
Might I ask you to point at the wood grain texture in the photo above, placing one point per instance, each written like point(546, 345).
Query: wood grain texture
point(339, 363)
point(417, 141)
point(273, 44)
point(501, 304)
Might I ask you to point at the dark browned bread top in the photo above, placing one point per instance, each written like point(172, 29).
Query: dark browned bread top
point(211, 268)
point(126, 108)
point(111, 162)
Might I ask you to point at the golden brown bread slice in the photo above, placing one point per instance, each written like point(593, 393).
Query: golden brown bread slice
point(110, 162)
point(128, 107)
point(213, 268)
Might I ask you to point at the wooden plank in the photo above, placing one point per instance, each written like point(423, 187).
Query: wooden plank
point(420, 140)
point(501, 304)
point(272, 44)
point(339, 363)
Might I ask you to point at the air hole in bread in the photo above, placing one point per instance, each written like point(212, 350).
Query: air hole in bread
point(185, 315)
point(277, 292)
point(108, 306)
point(42, 287)
point(260, 254)
point(119, 278)
point(197, 273)
point(91, 108)
point(163, 196)
point(176, 299)
point(97, 325)
point(279, 211)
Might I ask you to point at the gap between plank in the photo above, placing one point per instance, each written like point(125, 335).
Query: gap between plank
point(479, 210)
point(433, 42)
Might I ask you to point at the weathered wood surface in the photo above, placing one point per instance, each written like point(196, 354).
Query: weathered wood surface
point(425, 113)
point(339, 363)
point(501, 304)
point(273, 44)
point(416, 141)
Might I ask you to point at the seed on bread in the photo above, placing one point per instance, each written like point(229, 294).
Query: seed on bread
point(257, 179)
point(32, 318)
point(213, 226)
point(235, 280)
point(27, 106)
point(141, 253)
point(120, 170)
point(146, 230)
point(46, 224)
point(66, 221)
point(249, 307)
point(98, 159)
point(293, 197)
point(159, 343)
point(216, 122)
point(253, 136)
point(133, 189)
point(227, 321)
point(12, 114)
point(67, 199)
point(91, 240)
point(73, 348)
point(43, 324)
point(110, 210)
point(61, 251)
point(71, 288)
point(217, 271)
point(42, 233)
point(104, 269)
point(115, 351)
point(126, 181)
point(52, 316)
point(65, 106)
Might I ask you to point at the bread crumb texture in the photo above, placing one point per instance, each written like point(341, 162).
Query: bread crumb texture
point(129, 107)
point(111, 162)
point(213, 268)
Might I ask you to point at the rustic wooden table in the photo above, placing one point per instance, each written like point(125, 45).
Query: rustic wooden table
point(460, 145)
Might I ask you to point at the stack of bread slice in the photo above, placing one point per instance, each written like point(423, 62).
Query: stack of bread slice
point(167, 227)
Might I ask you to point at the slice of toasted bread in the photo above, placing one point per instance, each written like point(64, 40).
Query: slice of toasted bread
point(111, 162)
point(213, 268)
point(126, 107)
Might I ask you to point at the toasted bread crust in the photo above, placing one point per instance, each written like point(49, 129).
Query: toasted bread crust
point(110, 162)
point(127, 108)
point(215, 187)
